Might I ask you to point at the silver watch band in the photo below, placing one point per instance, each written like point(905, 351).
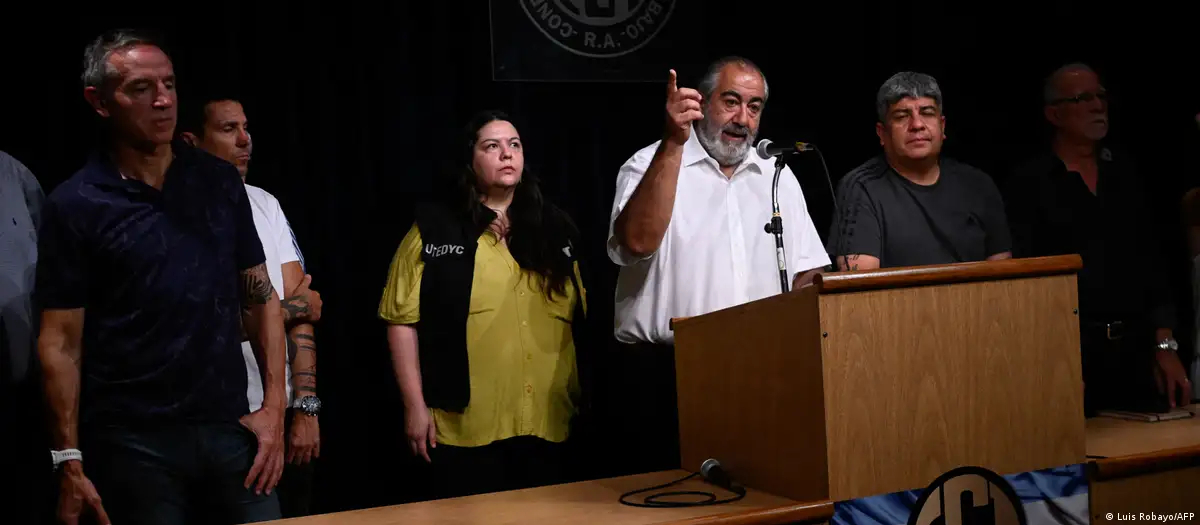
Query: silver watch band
point(308, 404)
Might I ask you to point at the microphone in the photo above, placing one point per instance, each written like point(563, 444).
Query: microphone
point(712, 472)
point(767, 149)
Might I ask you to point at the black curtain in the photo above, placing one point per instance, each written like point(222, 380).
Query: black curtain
point(356, 107)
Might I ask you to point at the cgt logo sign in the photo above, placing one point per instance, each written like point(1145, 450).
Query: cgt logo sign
point(968, 496)
point(599, 28)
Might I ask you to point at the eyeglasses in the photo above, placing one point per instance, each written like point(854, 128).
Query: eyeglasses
point(1086, 96)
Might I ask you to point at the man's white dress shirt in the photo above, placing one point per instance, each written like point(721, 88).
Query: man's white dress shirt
point(715, 253)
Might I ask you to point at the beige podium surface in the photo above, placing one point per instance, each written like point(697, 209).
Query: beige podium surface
point(1138, 467)
point(584, 503)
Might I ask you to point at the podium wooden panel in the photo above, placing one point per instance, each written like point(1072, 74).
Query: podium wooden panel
point(873, 382)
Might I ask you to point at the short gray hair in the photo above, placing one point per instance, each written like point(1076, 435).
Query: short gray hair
point(906, 84)
point(1050, 89)
point(712, 76)
point(96, 68)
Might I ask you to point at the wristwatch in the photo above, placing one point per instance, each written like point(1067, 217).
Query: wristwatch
point(309, 405)
point(58, 457)
point(1168, 344)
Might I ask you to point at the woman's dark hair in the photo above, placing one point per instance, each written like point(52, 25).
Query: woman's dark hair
point(537, 229)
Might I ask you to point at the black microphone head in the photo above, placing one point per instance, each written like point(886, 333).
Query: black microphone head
point(710, 463)
point(712, 472)
point(761, 149)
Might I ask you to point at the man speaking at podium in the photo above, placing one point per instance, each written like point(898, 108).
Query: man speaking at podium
point(911, 206)
point(688, 232)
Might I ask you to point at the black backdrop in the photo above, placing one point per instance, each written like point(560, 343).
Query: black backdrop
point(354, 109)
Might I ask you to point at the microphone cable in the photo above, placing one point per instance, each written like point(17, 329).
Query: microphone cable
point(656, 500)
point(833, 199)
point(765, 151)
point(828, 179)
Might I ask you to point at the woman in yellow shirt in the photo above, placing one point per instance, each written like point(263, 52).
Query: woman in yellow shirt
point(482, 298)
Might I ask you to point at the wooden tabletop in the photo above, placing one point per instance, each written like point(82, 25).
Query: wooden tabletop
point(1120, 448)
point(1116, 447)
point(582, 503)
point(1110, 437)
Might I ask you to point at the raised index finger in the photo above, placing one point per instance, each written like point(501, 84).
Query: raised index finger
point(671, 85)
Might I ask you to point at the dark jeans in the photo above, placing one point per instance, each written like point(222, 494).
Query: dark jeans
point(176, 474)
point(510, 464)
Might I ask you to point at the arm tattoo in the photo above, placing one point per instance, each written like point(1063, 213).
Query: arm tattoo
point(297, 343)
point(305, 343)
point(256, 286)
point(294, 308)
point(848, 262)
point(304, 374)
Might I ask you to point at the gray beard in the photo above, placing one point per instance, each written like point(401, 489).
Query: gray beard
point(725, 154)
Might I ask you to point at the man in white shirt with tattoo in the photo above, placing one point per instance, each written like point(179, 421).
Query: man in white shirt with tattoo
point(218, 125)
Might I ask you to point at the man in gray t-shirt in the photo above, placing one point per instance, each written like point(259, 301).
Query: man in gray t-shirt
point(24, 461)
point(910, 206)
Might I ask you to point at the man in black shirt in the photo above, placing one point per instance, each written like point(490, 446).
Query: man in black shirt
point(1081, 197)
point(909, 206)
point(149, 268)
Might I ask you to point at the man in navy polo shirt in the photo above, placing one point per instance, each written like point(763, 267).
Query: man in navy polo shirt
point(150, 266)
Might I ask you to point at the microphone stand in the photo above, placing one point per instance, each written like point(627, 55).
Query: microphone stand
point(776, 225)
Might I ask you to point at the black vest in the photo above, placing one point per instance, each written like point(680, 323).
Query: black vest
point(449, 243)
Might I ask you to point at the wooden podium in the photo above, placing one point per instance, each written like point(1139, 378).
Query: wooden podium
point(873, 382)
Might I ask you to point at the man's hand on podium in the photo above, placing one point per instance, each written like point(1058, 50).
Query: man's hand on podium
point(1172, 379)
point(421, 430)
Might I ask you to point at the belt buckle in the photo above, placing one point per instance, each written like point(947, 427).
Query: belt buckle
point(1113, 330)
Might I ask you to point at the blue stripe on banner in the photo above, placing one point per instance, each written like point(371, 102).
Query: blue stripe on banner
point(1050, 496)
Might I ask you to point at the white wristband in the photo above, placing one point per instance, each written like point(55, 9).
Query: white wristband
point(61, 456)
